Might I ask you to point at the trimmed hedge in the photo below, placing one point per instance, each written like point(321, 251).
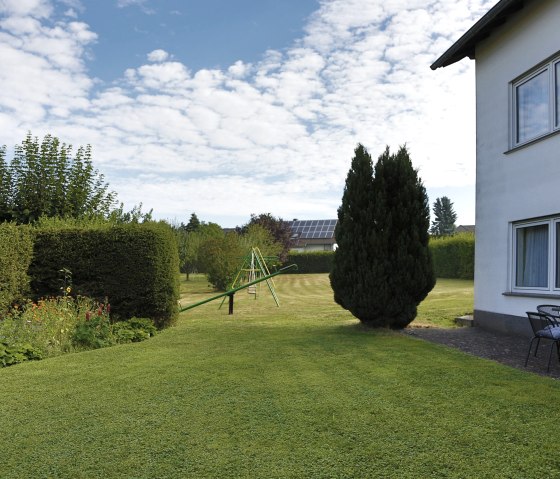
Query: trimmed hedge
point(16, 249)
point(453, 256)
point(134, 266)
point(311, 262)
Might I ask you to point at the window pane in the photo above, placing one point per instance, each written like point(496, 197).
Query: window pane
point(558, 255)
point(532, 257)
point(557, 81)
point(532, 107)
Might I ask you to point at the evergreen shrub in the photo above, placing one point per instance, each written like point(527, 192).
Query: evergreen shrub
point(311, 262)
point(16, 249)
point(382, 268)
point(453, 256)
point(134, 266)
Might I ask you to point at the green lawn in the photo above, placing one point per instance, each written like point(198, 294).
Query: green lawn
point(450, 299)
point(291, 392)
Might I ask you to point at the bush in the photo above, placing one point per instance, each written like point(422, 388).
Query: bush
point(453, 256)
point(94, 330)
point(311, 262)
point(47, 325)
point(10, 355)
point(16, 249)
point(135, 266)
point(221, 259)
point(133, 330)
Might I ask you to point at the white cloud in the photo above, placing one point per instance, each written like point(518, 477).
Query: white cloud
point(34, 8)
point(158, 55)
point(128, 3)
point(136, 3)
point(277, 135)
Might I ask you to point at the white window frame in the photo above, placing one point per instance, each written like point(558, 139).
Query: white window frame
point(551, 287)
point(553, 115)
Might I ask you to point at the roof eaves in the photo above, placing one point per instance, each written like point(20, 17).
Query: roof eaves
point(465, 46)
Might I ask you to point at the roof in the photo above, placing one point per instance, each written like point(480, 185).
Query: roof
point(313, 229)
point(465, 46)
point(465, 229)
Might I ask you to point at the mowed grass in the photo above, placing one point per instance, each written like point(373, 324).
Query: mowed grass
point(449, 299)
point(300, 391)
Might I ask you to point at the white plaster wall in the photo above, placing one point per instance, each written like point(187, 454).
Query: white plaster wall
point(524, 183)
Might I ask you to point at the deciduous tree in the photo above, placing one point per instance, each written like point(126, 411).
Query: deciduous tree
point(46, 179)
point(278, 228)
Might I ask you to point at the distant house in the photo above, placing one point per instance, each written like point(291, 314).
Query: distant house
point(516, 46)
point(313, 235)
point(465, 229)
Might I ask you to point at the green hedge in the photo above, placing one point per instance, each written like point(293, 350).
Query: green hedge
point(16, 248)
point(134, 266)
point(453, 256)
point(311, 262)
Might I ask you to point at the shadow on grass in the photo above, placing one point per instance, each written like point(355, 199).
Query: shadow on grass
point(357, 327)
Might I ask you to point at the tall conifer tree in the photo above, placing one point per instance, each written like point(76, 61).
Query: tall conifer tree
point(383, 268)
point(350, 277)
point(444, 217)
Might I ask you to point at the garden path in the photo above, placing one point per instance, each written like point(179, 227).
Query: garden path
point(503, 348)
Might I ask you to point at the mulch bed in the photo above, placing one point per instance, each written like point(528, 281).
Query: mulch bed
point(503, 348)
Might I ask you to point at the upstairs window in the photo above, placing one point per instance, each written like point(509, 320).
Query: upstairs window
point(536, 103)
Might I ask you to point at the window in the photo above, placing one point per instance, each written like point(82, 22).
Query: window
point(532, 256)
point(536, 255)
point(536, 103)
point(557, 93)
point(532, 107)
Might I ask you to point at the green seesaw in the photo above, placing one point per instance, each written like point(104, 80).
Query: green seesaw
point(232, 292)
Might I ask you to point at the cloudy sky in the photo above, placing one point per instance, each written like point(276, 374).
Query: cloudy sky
point(227, 108)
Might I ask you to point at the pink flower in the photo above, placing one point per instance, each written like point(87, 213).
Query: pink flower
point(88, 315)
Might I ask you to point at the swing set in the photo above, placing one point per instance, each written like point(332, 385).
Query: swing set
point(253, 271)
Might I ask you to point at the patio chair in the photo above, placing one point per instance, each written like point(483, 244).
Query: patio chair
point(544, 327)
point(552, 311)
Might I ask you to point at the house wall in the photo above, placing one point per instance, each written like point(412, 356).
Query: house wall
point(515, 185)
point(313, 247)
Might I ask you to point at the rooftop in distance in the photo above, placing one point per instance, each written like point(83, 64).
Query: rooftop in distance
point(313, 229)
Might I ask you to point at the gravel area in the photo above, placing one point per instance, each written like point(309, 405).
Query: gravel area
point(505, 349)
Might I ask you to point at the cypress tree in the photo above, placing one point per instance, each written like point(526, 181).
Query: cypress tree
point(351, 278)
point(383, 267)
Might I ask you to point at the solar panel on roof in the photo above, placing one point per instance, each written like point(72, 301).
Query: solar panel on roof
point(309, 229)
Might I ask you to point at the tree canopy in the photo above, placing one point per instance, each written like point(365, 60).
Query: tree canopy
point(278, 228)
point(47, 179)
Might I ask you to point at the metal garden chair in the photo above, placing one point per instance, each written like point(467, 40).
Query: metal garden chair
point(552, 311)
point(544, 327)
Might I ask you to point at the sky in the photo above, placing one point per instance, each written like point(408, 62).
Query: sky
point(231, 108)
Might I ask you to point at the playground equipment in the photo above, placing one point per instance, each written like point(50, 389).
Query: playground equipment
point(232, 292)
point(254, 267)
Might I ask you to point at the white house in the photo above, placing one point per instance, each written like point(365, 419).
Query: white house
point(516, 46)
